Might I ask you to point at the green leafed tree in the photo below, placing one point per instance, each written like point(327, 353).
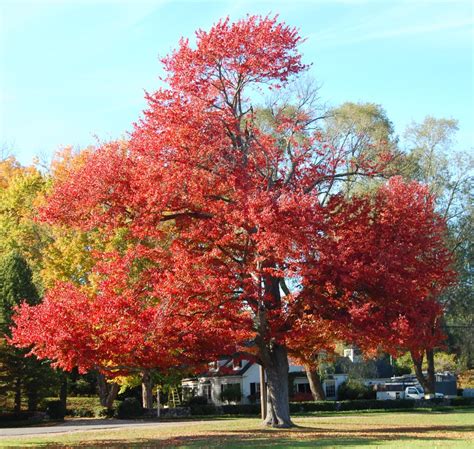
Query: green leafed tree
point(16, 285)
point(363, 133)
point(19, 231)
point(432, 158)
point(19, 375)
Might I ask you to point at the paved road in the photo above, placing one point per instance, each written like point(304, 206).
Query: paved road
point(82, 425)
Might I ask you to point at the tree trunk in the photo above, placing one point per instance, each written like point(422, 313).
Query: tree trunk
point(32, 393)
point(102, 388)
point(426, 382)
point(18, 394)
point(107, 391)
point(278, 407)
point(113, 392)
point(274, 359)
point(315, 385)
point(147, 390)
point(63, 390)
point(431, 379)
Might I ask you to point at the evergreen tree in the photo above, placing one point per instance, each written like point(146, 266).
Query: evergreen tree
point(18, 374)
point(16, 285)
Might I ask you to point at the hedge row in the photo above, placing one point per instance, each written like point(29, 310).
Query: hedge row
point(329, 406)
point(301, 407)
point(80, 407)
point(236, 409)
point(90, 407)
point(373, 404)
point(8, 417)
point(462, 401)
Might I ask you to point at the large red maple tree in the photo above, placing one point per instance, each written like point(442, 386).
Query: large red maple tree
point(263, 240)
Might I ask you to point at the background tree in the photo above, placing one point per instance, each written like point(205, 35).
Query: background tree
point(360, 133)
point(364, 134)
point(433, 160)
point(312, 345)
point(9, 167)
point(429, 158)
point(19, 374)
point(53, 252)
point(18, 229)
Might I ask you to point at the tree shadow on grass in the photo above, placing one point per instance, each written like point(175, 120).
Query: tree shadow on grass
point(376, 430)
point(419, 411)
point(221, 443)
point(299, 438)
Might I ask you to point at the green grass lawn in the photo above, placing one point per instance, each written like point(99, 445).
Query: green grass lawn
point(441, 430)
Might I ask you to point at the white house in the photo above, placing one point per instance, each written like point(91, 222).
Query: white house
point(227, 373)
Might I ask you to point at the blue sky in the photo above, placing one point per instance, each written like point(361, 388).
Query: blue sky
point(73, 71)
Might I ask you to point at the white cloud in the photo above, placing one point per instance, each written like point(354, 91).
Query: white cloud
point(413, 18)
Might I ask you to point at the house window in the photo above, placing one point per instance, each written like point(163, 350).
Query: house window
point(231, 392)
point(255, 388)
point(189, 392)
point(237, 364)
point(331, 390)
point(303, 388)
point(206, 391)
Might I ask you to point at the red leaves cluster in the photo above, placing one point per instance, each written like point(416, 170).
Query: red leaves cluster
point(120, 328)
point(253, 50)
point(386, 264)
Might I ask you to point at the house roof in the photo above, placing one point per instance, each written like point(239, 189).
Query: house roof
point(225, 368)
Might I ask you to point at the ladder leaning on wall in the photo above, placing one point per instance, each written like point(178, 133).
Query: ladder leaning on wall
point(173, 398)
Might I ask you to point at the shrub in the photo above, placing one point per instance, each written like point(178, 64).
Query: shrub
point(321, 406)
point(9, 417)
point(353, 389)
point(227, 409)
point(361, 404)
point(373, 404)
point(313, 406)
point(87, 407)
point(204, 410)
point(55, 409)
point(197, 400)
point(240, 409)
point(80, 412)
point(253, 398)
point(462, 401)
point(130, 408)
point(397, 404)
point(76, 402)
point(104, 412)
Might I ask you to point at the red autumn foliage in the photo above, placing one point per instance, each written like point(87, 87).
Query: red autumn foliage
point(118, 329)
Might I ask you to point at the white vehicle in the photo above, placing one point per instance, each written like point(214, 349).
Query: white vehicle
point(402, 391)
point(414, 393)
